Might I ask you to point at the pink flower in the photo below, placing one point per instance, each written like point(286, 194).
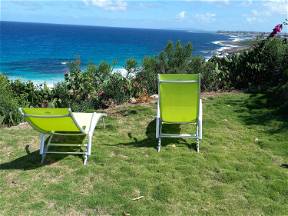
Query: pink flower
point(278, 28)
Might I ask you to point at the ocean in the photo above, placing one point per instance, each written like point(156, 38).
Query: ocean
point(40, 52)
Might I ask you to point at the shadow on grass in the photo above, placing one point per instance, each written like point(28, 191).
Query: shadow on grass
point(259, 112)
point(32, 160)
point(151, 142)
point(258, 109)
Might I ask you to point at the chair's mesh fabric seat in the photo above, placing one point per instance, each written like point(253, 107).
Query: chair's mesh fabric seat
point(59, 120)
point(179, 102)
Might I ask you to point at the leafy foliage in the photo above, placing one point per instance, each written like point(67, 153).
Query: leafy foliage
point(260, 67)
point(9, 114)
point(32, 95)
point(178, 59)
point(263, 67)
point(116, 90)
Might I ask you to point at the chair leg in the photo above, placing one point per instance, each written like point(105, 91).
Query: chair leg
point(45, 149)
point(197, 138)
point(85, 159)
point(159, 144)
point(42, 143)
point(157, 127)
point(42, 158)
point(44, 154)
point(88, 149)
point(158, 133)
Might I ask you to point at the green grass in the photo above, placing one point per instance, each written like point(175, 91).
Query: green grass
point(241, 168)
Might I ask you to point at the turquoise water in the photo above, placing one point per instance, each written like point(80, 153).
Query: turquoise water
point(31, 51)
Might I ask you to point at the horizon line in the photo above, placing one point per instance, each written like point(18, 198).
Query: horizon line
point(163, 29)
point(69, 24)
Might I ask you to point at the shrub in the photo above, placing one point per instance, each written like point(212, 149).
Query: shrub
point(95, 87)
point(146, 79)
point(260, 67)
point(83, 87)
point(131, 67)
point(179, 59)
point(173, 59)
point(9, 105)
point(30, 94)
point(60, 95)
point(116, 90)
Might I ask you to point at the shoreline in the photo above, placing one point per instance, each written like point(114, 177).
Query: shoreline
point(52, 82)
point(237, 42)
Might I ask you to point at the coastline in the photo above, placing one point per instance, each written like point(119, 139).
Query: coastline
point(52, 82)
point(237, 42)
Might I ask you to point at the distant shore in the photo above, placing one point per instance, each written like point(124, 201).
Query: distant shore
point(230, 47)
point(240, 40)
point(237, 42)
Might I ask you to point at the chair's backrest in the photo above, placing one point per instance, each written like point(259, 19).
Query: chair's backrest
point(179, 96)
point(50, 120)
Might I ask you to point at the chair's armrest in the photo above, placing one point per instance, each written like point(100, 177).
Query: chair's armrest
point(87, 121)
point(95, 119)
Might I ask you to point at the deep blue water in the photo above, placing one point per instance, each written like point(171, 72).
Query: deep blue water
point(33, 51)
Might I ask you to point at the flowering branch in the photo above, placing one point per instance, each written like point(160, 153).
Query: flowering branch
point(278, 28)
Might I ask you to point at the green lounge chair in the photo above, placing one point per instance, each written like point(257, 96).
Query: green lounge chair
point(179, 103)
point(62, 122)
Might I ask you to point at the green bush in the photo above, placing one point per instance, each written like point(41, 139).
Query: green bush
point(60, 94)
point(262, 68)
point(9, 114)
point(95, 87)
point(116, 90)
point(178, 58)
point(173, 59)
point(146, 79)
point(30, 94)
point(259, 68)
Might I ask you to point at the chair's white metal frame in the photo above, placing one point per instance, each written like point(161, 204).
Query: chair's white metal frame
point(159, 122)
point(44, 135)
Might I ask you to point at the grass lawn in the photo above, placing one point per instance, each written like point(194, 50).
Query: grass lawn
point(241, 168)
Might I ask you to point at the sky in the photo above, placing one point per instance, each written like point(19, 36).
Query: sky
point(207, 15)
